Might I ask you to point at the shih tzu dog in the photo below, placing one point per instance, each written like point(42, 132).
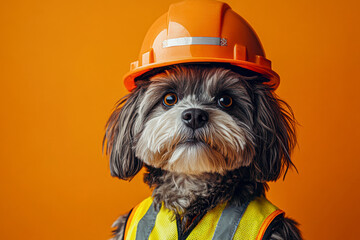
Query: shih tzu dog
point(207, 134)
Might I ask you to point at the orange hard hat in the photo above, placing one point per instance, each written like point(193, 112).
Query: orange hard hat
point(201, 31)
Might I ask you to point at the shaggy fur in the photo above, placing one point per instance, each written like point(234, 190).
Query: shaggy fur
point(230, 158)
point(192, 194)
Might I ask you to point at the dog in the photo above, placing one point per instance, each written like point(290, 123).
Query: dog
point(206, 134)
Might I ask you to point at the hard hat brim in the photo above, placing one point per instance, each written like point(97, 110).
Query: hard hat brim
point(274, 79)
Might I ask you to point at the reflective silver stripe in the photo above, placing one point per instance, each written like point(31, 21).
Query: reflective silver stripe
point(147, 223)
point(194, 41)
point(229, 221)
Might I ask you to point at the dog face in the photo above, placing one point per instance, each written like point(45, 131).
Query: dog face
point(195, 119)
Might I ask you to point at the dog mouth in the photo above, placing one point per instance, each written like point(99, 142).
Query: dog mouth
point(191, 141)
point(194, 141)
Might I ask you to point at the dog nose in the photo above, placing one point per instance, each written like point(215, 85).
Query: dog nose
point(195, 118)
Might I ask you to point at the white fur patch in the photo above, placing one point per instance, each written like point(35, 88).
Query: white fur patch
point(220, 144)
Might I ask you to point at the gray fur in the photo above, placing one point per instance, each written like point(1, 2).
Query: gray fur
point(284, 228)
point(188, 195)
point(121, 127)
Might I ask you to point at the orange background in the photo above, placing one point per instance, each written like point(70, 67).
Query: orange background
point(61, 64)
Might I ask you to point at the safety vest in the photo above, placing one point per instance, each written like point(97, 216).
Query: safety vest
point(224, 222)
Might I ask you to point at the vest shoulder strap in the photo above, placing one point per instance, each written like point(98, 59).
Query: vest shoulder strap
point(256, 219)
point(139, 212)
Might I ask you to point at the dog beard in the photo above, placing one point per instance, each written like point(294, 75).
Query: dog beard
point(224, 143)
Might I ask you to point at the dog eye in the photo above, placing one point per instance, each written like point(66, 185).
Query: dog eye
point(170, 99)
point(225, 101)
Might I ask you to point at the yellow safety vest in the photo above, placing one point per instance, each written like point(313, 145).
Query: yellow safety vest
point(224, 222)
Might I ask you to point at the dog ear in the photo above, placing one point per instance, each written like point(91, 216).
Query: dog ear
point(119, 136)
point(275, 136)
